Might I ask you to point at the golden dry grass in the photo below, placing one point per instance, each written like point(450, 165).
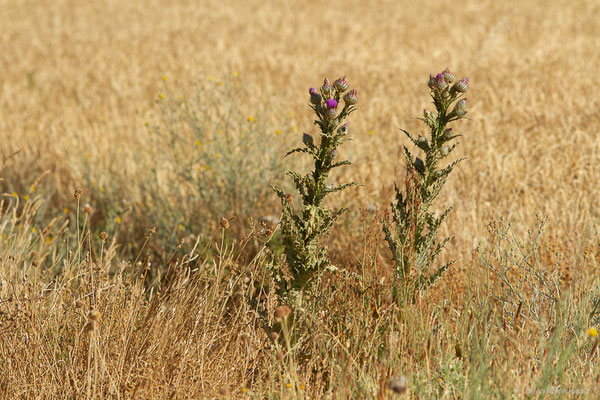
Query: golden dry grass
point(80, 79)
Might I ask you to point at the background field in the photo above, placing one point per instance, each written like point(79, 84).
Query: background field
point(94, 93)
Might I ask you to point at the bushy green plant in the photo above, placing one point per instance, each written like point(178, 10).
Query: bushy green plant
point(412, 231)
point(304, 231)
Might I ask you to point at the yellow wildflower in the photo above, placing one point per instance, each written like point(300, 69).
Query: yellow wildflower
point(278, 131)
point(592, 332)
point(118, 220)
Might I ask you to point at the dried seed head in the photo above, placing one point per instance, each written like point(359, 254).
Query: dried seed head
point(90, 326)
point(274, 336)
point(399, 384)
point(94, 315)
point(78, 303)
point(224, 223)
point(103, 236)
point(78, 193)
point(150, 232)
point(280, 355)
point(282, 312)
point(88, 209)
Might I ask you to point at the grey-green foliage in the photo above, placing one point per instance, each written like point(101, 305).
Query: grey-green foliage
point(305, 230)
point(412, 233)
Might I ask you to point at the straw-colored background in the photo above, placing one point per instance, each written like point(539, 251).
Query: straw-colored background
point(79, 78)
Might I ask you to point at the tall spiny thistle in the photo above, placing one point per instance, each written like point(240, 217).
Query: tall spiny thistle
point(412, 237)
point(305, 231)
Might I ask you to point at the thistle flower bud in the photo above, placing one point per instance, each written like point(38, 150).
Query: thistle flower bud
point(343, 129)
point(448, 76)
point(330, 114)
point(440, 82)
point(326, 89)
point(419, 166)
point(351, 97)
point(332, 103)
point(431, 82)
point(421, 141)
point(462, 86)
point(427, 114)
point(444, 150)
point(341, 84)
point(315, 98)
point(447, 133)
point(460, 109)
point(307, 139)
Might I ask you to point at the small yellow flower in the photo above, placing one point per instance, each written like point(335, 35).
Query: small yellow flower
point(207, 167)
point(101, 188)
point(32, 189)
point(371, 132)
point(34, 230)
point(592, 332)
point(252, 119)
point(15, 194)
point(26, 197)
point(301, 387)
point(66, 210)
point(118, 220)
point(48, 239)
point(291, 114)
point(220, 83)
point(164, 78)
point(288, 385)
point(293, 128)
point(198, 143)
point(210, 78)
point(235, 73)
point(244, 390)
point(278, 131)
point(180, 227)
point(161, 96)
point(218, 155)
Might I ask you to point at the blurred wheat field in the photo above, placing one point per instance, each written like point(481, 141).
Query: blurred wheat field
point(83, 83)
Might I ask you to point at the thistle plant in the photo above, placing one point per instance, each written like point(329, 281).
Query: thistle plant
point(305, 231)
point(412, 231)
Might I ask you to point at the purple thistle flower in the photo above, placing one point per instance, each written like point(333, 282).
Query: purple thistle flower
point(351, 97)
point(312, 91)
point(440, 82)
point(462, 86)
point(341, 84)
point(332, 103)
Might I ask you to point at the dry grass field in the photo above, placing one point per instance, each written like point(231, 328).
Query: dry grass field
point(175, 114)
